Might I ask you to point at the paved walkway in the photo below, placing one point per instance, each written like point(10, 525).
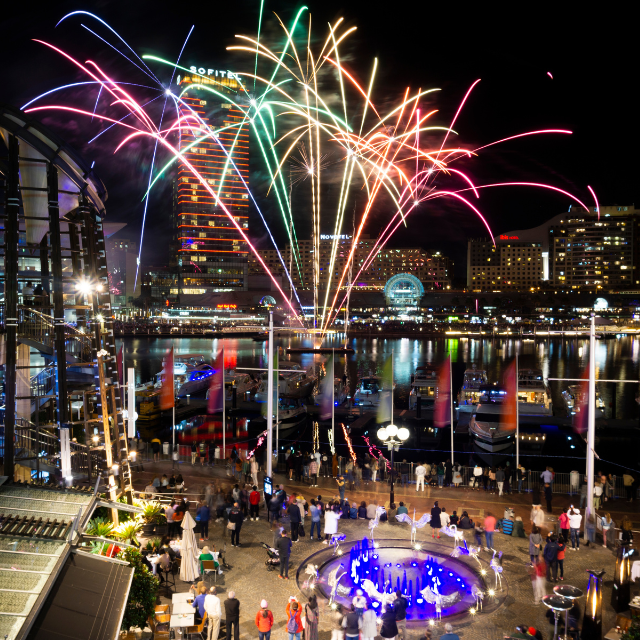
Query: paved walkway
point(251, 580)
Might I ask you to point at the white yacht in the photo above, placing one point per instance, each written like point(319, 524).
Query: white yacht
point(423, 381)
point(293, 381)
point(487, 425)
point(369, 392)
point(575, 397)
point(191, 374)
point(340, 393)
point(534, 397)
point(469, 394)
point(242, 382)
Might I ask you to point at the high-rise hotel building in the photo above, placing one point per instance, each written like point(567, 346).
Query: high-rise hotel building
point(209, 252)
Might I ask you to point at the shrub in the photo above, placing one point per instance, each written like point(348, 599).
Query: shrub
point(143, 594)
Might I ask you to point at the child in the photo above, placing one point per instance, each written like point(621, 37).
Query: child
point(477, 533)
point(359, 602)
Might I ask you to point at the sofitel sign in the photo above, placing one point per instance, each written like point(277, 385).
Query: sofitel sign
point(215, 72)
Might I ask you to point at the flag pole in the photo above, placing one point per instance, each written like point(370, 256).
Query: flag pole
point(451, 400)
point(224, 414)
point(517, 419)
point(391, 390)
point(333, 396)
point(270, 399)
point(591, 428)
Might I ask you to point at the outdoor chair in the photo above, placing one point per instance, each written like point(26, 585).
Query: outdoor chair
point(162, 608)
point(197, 629)
point(170, 576)
point(209, 567)
point(160, 632)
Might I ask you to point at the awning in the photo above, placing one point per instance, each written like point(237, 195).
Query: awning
point(86, 602)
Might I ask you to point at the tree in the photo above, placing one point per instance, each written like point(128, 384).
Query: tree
point(143, 594)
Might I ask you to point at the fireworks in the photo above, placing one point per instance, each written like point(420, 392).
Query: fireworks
point(381, 160)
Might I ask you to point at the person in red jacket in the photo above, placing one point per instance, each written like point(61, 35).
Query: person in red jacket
point(254, 503)
point(294, 621)
point(264, 621)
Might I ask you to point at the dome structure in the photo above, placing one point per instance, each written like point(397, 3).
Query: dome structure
point(403, 290)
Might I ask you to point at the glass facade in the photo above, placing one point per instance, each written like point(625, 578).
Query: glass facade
point(209, 251)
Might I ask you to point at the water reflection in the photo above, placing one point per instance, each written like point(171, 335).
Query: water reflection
point(558, 358)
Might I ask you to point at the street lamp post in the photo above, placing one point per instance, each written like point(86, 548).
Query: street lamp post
point(393, 438)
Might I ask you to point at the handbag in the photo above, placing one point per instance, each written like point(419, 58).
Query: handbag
point(231, 526)
point(301, 532)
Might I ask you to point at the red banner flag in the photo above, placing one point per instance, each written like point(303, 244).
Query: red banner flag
point(580, 408)
point(216, 387)
point(442, 407)
point(167, 391)
point(510, 415)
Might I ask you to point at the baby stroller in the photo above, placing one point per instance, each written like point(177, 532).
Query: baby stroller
point(274, 557)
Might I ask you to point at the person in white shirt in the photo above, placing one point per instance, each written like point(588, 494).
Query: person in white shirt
point(254, 470)
point(214, 613)
point(444, 518)
point(420, 472)
point(330, 524)
point(371, 510)
point(574, 525)
point(477, 477)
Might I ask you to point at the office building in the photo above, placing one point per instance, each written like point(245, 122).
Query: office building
point(432, 269)
point(573, 251)
point(122, 257)
point(208, 251)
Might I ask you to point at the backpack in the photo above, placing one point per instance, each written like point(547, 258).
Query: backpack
point(292, 625)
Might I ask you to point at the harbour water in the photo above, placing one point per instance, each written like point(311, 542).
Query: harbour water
point(558, 358)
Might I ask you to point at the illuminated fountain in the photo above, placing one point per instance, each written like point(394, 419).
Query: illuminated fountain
point(434, 583)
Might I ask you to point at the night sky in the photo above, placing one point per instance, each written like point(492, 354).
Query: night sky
point(592, 57)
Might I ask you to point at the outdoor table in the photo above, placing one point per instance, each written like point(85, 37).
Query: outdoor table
point(182, 607)
point(182, 597)
point(181, 620)
point(613, 635)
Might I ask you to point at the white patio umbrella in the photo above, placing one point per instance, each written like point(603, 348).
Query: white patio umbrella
point(189, 567)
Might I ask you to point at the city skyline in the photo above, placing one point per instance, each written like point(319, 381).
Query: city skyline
point(531, 93)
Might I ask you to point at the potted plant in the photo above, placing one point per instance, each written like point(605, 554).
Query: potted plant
point(99, 527)
point(128, 531)
point(152, 515)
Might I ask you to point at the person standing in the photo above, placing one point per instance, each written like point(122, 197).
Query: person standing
point(448, 633)
point(597, 494)
point(203, 515)
point(435, 522)
point(294, 519)
point(254, 503)
point(214, 612)
point(255, 467)
point(232, 615)
point(548, 496)
point(294, 622)
point(352, 624)
point(477, 478)
point(194, 452)
point(389, 628)
point(311, 613)
point(535, 544)
point(563, 521)
point(440, 475)
point(341, 484)
point(562, 546)
point(369, 624)
point(382, 467)
point(284, 545)
point(202, 450)
point(547, 476)
point(331, 518)
point(404, 473)
point(550, 555)
point(448, 473)
point(520, 471)
point(607, 530)
point(537, 516)
point(575, 520)
point(315, 520)
point(628, 481)
point(590, 526)
point(264, 621)
point(420, 472)
point(400, 605)
point(583, 493)
point(313, 472)
point(492, 480)
point(489, 529)
point(500, 480)
point(236, 518)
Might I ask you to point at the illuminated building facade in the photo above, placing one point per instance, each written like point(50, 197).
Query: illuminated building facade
point(122, 257)
point(209, 252)
point(574, 251)
point(432, 269)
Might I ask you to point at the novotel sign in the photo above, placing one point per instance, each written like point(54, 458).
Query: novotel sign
point(215, 72)
point(334, 237)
